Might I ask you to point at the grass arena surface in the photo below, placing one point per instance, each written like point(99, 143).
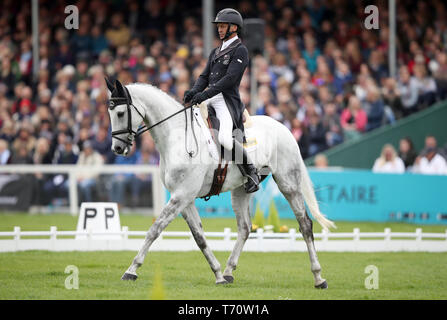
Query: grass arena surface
point(187, 275)
point(259, 276)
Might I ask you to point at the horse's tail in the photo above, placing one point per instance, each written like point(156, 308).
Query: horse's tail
point(311, 200)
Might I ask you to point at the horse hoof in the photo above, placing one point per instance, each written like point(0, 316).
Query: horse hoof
point(322, 285)
point(229, 279)
point(129, 276)
point(222, 282)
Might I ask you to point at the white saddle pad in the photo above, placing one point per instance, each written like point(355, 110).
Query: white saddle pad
point(212, 148)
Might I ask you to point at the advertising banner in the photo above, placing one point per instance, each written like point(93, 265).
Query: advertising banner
point(354, 195)
point(16, 192)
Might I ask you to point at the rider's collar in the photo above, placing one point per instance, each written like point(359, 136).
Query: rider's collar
point(226, 43)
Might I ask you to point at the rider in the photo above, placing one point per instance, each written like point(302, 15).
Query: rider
point(222, 75)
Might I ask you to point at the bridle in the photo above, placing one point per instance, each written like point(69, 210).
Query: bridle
point(127, 100)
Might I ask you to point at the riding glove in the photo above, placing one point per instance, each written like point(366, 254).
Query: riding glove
point(199, 98)
point(189, 94)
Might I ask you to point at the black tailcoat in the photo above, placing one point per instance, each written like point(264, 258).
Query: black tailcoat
point(223, 74)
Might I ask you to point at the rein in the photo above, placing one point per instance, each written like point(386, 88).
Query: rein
point(132, 134)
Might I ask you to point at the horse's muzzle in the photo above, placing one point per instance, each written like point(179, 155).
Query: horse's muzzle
point(118, 150)
point(121, 151)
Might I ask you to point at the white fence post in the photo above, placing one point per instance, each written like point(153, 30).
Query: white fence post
point(325, 235)
point(53, 238)
point(387, 234)
point(418, 234)
point(227, 235)
point(125, 236)
point(158, 193)
point(17, 237)
point(73, 192)
point(356, 234)
point(260, 237)
point(292, 234)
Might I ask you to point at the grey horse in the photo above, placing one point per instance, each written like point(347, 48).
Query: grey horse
point(188, 178)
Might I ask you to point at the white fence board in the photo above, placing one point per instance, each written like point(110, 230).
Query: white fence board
point(224, 241)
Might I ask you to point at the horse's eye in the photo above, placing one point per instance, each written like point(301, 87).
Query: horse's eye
point(120, 114)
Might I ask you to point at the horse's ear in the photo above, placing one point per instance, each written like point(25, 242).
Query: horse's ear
point(120, 89)
point(109, 85)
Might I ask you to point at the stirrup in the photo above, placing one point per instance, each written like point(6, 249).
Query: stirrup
point(251, 185)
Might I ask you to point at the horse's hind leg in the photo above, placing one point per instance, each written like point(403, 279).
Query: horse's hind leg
point(290, 186)
point(169, 212)
point(240, 201)
point(193, 220)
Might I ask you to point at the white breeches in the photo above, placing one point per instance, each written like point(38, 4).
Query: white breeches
point(226, 122)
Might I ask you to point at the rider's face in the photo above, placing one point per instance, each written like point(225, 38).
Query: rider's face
point(222, 30)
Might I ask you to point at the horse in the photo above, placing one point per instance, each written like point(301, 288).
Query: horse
point(189, 177)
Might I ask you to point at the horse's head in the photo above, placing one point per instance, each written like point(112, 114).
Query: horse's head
point(125, 118)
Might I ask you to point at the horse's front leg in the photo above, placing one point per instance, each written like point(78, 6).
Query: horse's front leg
point(169, 212)
point(193, 220)
point(240, 201)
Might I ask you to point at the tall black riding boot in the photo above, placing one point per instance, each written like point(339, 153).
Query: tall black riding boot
point(246, 167)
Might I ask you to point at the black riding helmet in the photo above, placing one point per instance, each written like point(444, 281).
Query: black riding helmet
point(229, 16)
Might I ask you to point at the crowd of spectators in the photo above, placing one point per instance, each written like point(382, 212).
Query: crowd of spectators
point(432, 159)
point(323, 74)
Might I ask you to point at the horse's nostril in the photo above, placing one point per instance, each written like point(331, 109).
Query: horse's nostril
point(118, 149)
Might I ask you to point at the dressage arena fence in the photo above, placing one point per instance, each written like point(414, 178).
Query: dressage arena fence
point(259, 241)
